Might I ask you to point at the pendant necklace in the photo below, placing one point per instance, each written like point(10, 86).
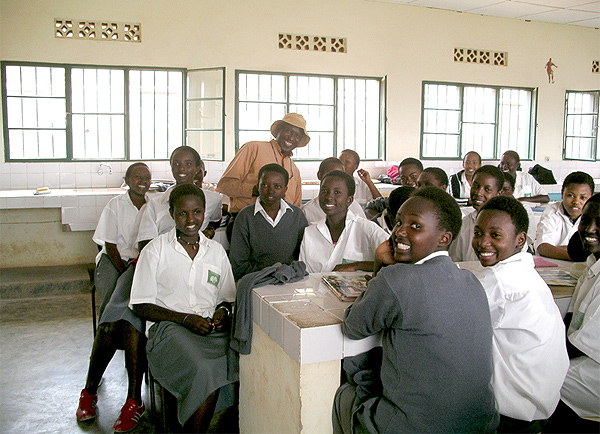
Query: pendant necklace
point(192, 245)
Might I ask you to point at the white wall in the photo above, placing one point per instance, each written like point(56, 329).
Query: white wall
point(408, 44)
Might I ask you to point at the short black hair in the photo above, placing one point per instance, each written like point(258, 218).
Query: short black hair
point(513, 154)
point(195, 153)
point(345, 177)
point(327, 163)
point(353, 153)
point(180, 191)
point(397, 197)
point(411, 161)
point(447, 210)
point(578, 178)
point(510, 179)
point(133, 166)
point(276, 168)
point(512, 207)
point(439, 174)
point(473, 152)
point(494, 172)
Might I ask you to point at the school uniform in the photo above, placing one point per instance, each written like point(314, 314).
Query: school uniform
point(258, 241)
point(358, 242)
point(581, 389)
point(461, 249)
point(156, 219)
point(362, 194)
point(530, 359)
point(118, 224)
point(527, 186)
point(555, 226)
point(437, 351)
point(188, 365)
point(313, 212)
point(459, 187)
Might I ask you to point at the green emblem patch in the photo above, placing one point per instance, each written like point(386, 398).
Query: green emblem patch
point(213, 278)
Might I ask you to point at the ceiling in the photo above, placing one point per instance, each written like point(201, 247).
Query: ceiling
point(577, 12)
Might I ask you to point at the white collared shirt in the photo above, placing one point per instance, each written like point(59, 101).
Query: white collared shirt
point(461, 249)
point(156, 219)
point(432, 255)
point(358, 242)
point(555, 227)
point(118, 224)
point(527, 186)
point(530, 359)
point(581, 389)
point(313, 212)
point(283, 207)
point(166, 276)
point(362, 194)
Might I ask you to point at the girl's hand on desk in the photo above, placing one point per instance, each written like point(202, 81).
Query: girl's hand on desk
point(197, 324)
point(221, 319)
point(346, 267)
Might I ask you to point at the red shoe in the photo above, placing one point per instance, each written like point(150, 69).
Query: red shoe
point(87, 406)
point(129, 417)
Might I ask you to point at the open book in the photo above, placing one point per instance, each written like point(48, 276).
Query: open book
point(346, 287)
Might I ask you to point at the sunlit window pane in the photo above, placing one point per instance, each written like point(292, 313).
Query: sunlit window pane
point(581, 125)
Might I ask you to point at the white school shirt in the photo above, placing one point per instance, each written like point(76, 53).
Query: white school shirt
point(527, 186)
point(156, 219)
point(283, 207)
point(362, 194)
point(465, 187)
point(529, 352)
point(166, 276)
point(581, 389)
point(461, 250)
point(313, 212)
point(358, 242)
point(555, 227)
point(118, 225)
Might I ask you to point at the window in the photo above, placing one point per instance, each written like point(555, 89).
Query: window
point(581, 126)
point(340, 112)
point(79, 113)
point(457, 118)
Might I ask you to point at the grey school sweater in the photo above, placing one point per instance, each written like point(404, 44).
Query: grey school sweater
point(255, 244)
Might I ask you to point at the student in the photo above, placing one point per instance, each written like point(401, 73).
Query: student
point(580, 393)
point(365, 189)
point(436, 332)
point(433, 177)
point(526, 187)
point(560, 219)
point(269, 231)
point(529, 352)
point(508, 189)
point(341, 241)
point(387, 219)
point(312, 210)
point(184, 284)
point(156, 219)
point(409, 171)
point(460, 183)
point(487, 183)
point(118, 326)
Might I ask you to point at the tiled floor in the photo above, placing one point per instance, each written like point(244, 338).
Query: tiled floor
point(44, 351)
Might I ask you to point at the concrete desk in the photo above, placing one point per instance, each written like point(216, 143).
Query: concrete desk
point(288, 382)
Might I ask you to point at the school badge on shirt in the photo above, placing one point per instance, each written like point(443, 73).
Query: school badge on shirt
point(213, 278)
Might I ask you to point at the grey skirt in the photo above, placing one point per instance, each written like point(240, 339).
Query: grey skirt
point(190, 366)
point(113, 291)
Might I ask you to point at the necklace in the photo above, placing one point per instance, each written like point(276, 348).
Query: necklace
point(192, 245)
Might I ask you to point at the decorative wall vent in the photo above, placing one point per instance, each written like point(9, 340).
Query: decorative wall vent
point(289, 41)
point(97, 30)
point(486, 57)
point(596, 66)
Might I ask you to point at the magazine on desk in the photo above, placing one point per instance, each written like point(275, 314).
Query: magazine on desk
point(556, 277)
point(346, 287)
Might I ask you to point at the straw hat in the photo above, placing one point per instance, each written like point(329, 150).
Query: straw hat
point(295, 120)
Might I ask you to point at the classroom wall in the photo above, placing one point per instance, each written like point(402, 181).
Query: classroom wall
point(408, 44)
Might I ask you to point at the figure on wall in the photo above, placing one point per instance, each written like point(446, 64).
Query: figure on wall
point(550, 71)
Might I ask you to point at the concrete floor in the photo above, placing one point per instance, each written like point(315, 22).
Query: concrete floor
point(45, 345)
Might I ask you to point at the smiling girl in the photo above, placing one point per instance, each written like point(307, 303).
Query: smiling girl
point(184, 284)
point(341, 241)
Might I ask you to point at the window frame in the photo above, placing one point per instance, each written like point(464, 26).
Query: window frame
point(496, 156)
point(596, 157)
point(68, 107)
point(382, 148)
